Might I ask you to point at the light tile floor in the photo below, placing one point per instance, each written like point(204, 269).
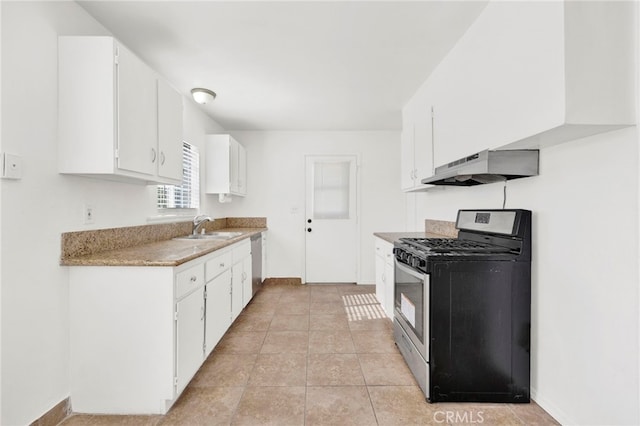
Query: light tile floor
point(313, 355)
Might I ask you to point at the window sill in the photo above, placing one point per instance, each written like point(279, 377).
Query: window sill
point(173, 216)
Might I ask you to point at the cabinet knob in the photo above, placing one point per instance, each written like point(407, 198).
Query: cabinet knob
point(308, 229)
point(194, 279)
point(308, 220)
point(222, 265)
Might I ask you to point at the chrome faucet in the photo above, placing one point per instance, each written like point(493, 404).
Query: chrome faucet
point(199, 221)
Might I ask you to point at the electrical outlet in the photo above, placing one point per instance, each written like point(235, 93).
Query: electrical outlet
point(11, 166)
point(88, 214)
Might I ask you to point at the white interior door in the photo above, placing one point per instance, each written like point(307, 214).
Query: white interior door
point(331, 227)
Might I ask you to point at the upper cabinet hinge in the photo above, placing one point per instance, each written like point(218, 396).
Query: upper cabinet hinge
point(116, 56)
point(432, 113)
point(175, 316)
point(175, 381)
point(117, 153)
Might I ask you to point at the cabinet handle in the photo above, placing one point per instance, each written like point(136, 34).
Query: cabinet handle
point(194, 279)
point(162, 158)
point(153, 155)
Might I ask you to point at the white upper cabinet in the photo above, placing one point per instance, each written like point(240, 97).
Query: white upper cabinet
point(137, 120)
point(226, 166)
point(117, 119)
point(531, 75)
point(169, 132)
point(416, 146)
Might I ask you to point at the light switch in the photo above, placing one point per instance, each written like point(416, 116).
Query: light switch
point(11, 166)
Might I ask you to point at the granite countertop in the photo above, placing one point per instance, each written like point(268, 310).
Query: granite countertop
point(433, 229)
point(168, 252)
point(394, 236)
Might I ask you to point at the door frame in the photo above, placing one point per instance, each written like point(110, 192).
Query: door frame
point(358, 213)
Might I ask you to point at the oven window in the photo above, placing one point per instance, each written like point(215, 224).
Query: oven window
point(409, 300)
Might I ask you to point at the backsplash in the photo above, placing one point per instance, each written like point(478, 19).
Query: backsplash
point(441, 227)
point(82, 243)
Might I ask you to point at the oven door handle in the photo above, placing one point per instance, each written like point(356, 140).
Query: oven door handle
point(410, 271)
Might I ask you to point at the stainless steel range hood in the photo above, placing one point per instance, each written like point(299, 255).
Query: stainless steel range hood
point(486, 167)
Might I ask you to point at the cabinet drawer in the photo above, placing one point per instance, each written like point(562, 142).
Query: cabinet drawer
point(189, 279)
point(241, 250)
point(384, 248)
point(217, 265)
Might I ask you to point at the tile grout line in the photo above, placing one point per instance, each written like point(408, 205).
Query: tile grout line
point(306, 376)
point(255, 363)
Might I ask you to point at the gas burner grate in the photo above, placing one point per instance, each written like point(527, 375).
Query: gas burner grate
point(452, 245)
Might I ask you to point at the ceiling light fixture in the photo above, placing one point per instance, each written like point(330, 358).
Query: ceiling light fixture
point(202, 96)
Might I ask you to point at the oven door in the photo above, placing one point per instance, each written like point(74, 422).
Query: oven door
point(411, 305)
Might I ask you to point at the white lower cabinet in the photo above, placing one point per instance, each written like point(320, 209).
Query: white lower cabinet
point(385, 275)
point(218, 309)
point(236, 291)
point(139, 334)
point(189, 332)
point(247, 285)
point(241, 288)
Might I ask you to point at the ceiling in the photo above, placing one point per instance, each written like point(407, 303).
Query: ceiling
point(293, 65)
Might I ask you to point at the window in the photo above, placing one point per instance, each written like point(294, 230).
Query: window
point(187, 195)
point(331, 190)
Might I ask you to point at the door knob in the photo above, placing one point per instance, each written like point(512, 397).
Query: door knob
point(308, 229)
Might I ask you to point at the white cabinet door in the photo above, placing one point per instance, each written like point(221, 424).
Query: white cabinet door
point(234, 155)
point(236, 290)
point(422, 141)
point(218, 309)
point(385, 275)
point(247, 285)
point(380, 281)
point(416, 149)
point(226, 166)
point(218, 164)
point(389, 281)
point(169, 134)
point(242, 171)
point(137, 115)
point(189, 337)
point(407, 156)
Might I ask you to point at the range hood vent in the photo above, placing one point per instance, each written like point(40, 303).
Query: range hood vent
point(486, 167)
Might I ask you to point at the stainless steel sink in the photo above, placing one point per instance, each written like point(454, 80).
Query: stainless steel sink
point(224, 234)
point(215, 235)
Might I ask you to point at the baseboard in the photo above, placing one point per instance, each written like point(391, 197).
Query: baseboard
point(55, 415)
point(559, 415)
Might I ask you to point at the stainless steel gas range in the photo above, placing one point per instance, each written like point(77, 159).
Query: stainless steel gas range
point(462, 308)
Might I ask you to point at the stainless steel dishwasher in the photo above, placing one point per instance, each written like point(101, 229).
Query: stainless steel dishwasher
point(256, 262)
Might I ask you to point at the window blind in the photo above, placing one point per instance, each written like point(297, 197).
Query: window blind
point(187, 195)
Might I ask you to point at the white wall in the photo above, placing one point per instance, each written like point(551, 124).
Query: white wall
point(43, 204)
point(584, 273)
point(0, 209)
point(585, 270)
point(276, 162)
